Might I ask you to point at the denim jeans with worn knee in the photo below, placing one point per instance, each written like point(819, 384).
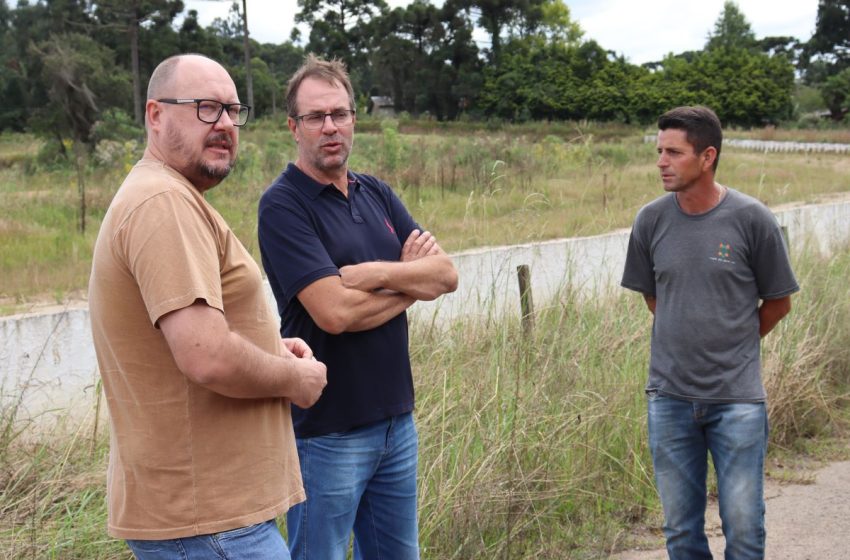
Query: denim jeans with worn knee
point(256, 542)
point(365, 480)
point(681, 434)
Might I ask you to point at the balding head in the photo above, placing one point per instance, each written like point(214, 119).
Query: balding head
point(203, 152)
point(162, 76)
point(162, 82)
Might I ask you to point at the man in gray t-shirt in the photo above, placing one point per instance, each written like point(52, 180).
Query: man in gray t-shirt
point(713, 267)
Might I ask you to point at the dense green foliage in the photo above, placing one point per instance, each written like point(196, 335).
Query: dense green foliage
point(537, 65)
point(827, 55)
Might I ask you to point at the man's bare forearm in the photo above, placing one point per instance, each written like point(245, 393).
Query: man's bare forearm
point(425, 278)
point(337, 309)
point(650, 303)
point(382, 307)
point(771, 312)
point(246, 371)
point(213, 356)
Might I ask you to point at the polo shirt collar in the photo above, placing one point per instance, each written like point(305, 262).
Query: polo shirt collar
point(310, 186)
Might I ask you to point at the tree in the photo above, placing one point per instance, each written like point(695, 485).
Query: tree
point(836, 94)
point(22, 92)
point(789, 47)
point(131, 16)
point(731, 30)
point(264, 85)
point(192, 38)
point(249, 81)
point(12, 84)
point(409, 61)
point(282, 61)
point(339, 28)
point(495, 16)
point(831, 38)
point(540, 79)
point(556, 23)
point(745, 88)
point(827, 53)
point(236, 27)
point(82, 79)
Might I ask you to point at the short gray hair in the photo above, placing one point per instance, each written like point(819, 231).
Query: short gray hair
point(330, 71)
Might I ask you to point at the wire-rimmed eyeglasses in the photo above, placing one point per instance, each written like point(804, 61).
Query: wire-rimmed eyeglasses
point(315, 121)
point(210, 110)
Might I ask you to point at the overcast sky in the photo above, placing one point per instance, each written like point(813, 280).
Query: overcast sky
point(642, 30)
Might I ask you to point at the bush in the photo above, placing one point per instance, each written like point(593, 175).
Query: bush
point(114, 124)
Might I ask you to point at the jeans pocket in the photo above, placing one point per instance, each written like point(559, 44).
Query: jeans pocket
point(335, 435)
point(262, 540)
point(238, 532)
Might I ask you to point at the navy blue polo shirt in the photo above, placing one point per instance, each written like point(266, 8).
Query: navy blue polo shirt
point(308, 231)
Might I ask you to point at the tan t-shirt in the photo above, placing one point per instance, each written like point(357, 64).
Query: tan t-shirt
point(183, 460)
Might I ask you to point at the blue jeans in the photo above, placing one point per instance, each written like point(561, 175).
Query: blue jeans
point(365, 480)
point(256, 542)
point(681, 433)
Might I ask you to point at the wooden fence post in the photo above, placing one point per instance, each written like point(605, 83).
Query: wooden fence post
point(525, 299)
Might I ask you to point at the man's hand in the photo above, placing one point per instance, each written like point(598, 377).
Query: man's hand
point(366, 277)
point(418, 245)
point(372, 276)
point(296, 347)
point(312, 377)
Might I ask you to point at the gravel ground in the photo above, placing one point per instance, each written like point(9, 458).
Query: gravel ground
point(804, 521)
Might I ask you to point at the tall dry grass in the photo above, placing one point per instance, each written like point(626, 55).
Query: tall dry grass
point(807, 361)
point(531, 447)
point(537, 448)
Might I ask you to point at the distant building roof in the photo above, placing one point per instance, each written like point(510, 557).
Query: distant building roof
point(381, 101)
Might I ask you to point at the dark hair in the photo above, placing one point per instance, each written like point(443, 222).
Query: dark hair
point(330, 71)
point(701, 126)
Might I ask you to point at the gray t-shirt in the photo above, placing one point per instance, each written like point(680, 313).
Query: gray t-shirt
point(708, 272)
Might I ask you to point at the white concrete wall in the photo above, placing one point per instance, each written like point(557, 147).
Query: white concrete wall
point(48, 364)
point(776, 146)
point(48, 361)
point(488, 284)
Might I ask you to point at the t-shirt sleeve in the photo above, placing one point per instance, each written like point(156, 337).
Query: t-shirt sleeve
point(171, 250)
point(291, 248)
point(769, 259)
point(639, 271)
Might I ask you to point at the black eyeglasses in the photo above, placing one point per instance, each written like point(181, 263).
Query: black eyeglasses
point(210, 110)
point(315, 121)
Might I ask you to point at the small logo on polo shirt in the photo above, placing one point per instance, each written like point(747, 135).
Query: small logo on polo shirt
point(389, 226)
point(724, 251)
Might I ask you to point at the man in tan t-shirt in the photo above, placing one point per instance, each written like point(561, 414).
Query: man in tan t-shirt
point(197, 379)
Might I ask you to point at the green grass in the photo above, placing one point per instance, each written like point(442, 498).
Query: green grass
point(53, 494)
point(472, 184)
point(530, 447)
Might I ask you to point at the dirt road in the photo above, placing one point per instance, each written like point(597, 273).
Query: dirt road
point(804, 521)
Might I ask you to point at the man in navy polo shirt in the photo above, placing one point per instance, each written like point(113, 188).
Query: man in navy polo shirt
point(345, 260)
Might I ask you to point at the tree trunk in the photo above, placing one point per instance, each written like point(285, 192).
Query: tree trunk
point(80, 158)
point(134, 61)
point(249, 82)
